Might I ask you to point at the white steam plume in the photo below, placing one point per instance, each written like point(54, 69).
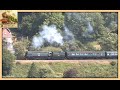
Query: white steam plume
point(90, 28)
point(68, 34)
point(49, 34)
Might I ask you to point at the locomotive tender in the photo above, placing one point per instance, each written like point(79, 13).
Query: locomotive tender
point(40, 55)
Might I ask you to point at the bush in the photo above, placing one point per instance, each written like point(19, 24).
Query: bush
point(18, 63)
point(43, 73)
point(53, 49)
point(113, 63)
point(33, 71)
point(19, 50)
point(7, 62)
point(71, 73)
point(50, 63)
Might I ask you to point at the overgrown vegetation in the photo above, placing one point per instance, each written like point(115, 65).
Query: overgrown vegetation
point(71, 73)
point(113, 63)
point(87, 32)
point(33, 71)
point(68, 70)
point(43, 72)
point(91, 31)
point(50, 48)
point(21, 48)
point(7, 62)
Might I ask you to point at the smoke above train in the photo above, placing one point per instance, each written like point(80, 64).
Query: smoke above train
point(51, 35)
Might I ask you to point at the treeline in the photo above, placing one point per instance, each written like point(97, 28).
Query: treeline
point(99, 28)
point(90, 31)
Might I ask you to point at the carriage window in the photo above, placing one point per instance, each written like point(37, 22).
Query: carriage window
point(38, 54)
point(85, 54)
point(73, 54)
point(115, 53)
point(77, 53)
point(112, 54)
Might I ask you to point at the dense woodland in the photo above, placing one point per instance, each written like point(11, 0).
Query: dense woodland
point(87, 29)
point(66, 32)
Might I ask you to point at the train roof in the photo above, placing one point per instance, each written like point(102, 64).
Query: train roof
point(70, 51)
point(44, 51)
point(112, 51)
point(37, 52)
point(85, 51)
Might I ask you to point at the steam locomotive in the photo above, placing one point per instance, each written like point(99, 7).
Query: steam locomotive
point(70, 55)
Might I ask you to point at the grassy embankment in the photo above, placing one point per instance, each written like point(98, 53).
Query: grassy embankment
point(85, 69)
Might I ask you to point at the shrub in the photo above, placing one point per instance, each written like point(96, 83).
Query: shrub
point(18, 63)
point(19, 50)
point(50, 63)
point(7, 62)
point(71, 73)
point(44, 72)
point(33, 71)
point(113, 63)
point(50, 48)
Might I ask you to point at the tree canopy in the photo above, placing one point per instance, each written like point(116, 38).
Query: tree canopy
point(7, 62)
point(83, 29)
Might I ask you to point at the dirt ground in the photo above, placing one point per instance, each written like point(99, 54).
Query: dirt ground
point(67, 61)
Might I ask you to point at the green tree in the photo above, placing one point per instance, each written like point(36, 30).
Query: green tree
point(21, 48)
point(50, 48)
point(31, 23)
point(73, 46)
point(33, 71)
point(102, 23)
point(43, 73)
point(109, 42)
point(78, 24)
point(111, 21)
point(7, 62)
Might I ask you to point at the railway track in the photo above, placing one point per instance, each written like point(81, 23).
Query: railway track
point(68, 61)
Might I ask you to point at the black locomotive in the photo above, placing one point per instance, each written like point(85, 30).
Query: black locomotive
point(39, 55)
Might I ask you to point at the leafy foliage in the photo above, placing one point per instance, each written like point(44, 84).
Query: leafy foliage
point(50, 48)
point(20, 48)
point(43, 72)
point(102, 23)
point(31, 23)
point(104, 33)
point(33, 71)
point(109, 42)
point(73, 46)
point(7, 62)
point(56, 69)
point(104, 28)
point(113, 63)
